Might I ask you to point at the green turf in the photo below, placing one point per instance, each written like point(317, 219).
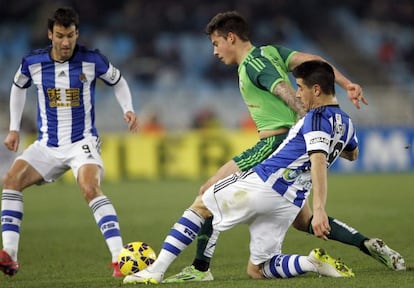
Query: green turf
point(62, 247)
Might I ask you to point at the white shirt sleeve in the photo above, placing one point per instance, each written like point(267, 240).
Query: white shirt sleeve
point(123, 95)
point(17, 101)
point(112, 75)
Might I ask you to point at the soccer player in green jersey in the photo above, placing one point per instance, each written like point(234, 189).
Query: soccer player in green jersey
point(269, 95)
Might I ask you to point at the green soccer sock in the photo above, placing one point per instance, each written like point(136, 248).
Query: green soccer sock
point(202, 262)
point(343, 233)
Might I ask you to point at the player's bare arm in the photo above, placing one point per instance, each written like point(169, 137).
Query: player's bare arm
point(287, 94)
point(319, 174)
point(350, 155)
point(354, 91)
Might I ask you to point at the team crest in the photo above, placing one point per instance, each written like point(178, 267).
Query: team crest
point(82, 78)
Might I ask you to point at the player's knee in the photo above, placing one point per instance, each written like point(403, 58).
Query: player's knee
point(202, 190)
point(298, 225)
point(199, 207)
point(90, 191)
point(302, 222)
point(6, 180)
point(11, 181)
point(205, 186)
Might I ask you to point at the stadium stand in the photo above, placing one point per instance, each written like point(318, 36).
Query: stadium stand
point(162, 49)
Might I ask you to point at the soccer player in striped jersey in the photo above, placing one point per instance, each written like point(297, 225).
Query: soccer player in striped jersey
point(269, 196)
point(65, 75)
point(269, 96)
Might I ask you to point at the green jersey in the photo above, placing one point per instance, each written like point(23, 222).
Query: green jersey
point(260, 71)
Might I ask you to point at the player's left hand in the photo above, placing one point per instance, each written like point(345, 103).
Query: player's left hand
point(132, 121)
point(355, 94)
point(320, 224)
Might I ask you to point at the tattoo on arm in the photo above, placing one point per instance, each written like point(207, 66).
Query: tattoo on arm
point(285, 92)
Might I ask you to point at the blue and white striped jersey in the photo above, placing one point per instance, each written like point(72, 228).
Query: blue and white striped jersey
point(66, 92)
point(326, 129)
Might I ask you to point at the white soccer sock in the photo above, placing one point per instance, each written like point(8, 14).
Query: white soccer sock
point(287, 266)
point(107, 220)
point(181, 235)
point(11, 218)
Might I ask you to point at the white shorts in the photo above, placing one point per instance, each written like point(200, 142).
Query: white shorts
point(245, 198)
point(52, 162)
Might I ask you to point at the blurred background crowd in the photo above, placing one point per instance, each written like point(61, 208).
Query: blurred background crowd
point(162, 50)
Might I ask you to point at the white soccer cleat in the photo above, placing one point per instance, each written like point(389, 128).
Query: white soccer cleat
point(327, 265)
point(144, 277)
point(384, 254)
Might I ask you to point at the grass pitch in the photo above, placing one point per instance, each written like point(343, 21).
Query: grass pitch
point(61, 245)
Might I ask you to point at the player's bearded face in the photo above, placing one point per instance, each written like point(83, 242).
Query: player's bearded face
point(63, 41)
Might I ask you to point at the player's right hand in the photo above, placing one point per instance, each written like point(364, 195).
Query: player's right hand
point(356, 95)
point(12, 141)
point(132, 121)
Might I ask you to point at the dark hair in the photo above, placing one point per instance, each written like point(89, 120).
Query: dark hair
point(65, 16)
point(226, 22)
point(316, 72)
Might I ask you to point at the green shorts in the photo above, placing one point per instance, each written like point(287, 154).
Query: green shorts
point(256, 154)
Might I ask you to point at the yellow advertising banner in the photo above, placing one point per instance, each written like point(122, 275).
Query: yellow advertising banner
point(187, 155)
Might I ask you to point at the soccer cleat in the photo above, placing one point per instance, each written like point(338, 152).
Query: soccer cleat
point(7, 265)
point(190, 273)
point(117, 272)
point(144, 277)
point(327, 265)
point(384, 254)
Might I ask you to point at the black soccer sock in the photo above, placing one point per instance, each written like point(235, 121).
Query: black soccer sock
point(202, 262)
point(345, 234)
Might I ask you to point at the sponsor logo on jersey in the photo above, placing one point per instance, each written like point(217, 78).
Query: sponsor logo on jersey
point(113, 73)
point(300, 177)
point(319, 140)
point(291, 175)
point(69, 97)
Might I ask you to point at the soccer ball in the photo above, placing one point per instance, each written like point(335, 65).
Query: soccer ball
point(135, 256)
